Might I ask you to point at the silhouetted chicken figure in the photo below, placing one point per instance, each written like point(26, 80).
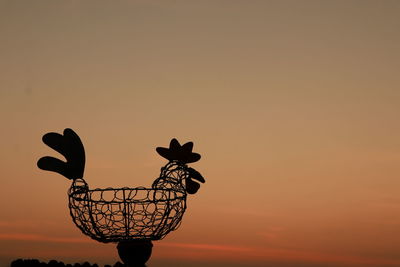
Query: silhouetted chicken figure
point(131, 216)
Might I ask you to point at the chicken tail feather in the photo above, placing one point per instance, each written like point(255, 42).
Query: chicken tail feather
point(70, 146)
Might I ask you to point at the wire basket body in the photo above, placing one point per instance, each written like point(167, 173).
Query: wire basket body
point(118, 214)
point(113, 215)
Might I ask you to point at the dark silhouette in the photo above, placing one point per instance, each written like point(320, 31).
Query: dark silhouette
point(131, 216)
point(54, 263)
point(71, 147)
point(135, 252)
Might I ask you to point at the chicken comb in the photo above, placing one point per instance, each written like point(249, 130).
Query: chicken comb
point(176, 151)
point(70, 146)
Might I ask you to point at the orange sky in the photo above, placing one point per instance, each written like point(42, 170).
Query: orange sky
point(294, 106)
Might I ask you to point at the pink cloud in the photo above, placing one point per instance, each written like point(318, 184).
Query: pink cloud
point(211, 247)
point(265, 254)
point(42, 238)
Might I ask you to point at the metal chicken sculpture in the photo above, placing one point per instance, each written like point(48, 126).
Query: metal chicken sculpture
point(133, 217)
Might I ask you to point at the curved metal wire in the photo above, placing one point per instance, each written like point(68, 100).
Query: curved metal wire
point(117, 214)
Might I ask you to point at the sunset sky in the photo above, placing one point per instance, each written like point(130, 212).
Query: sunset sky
point(293, 105)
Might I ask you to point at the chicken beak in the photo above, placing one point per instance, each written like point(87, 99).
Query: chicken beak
point(196, 175)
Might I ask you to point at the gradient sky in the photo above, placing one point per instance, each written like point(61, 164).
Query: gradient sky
point(294, 106)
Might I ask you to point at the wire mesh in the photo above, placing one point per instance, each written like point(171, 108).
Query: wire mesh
point(117, 214)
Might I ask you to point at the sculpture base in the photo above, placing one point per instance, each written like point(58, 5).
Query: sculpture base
point(135, 253)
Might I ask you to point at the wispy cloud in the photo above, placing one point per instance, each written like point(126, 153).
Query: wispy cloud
point(42, 238)
point(203, 251)
point(212, 247)
point(272, 232)
point(25, 223)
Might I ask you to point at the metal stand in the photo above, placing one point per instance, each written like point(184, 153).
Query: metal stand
point(135, 253)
